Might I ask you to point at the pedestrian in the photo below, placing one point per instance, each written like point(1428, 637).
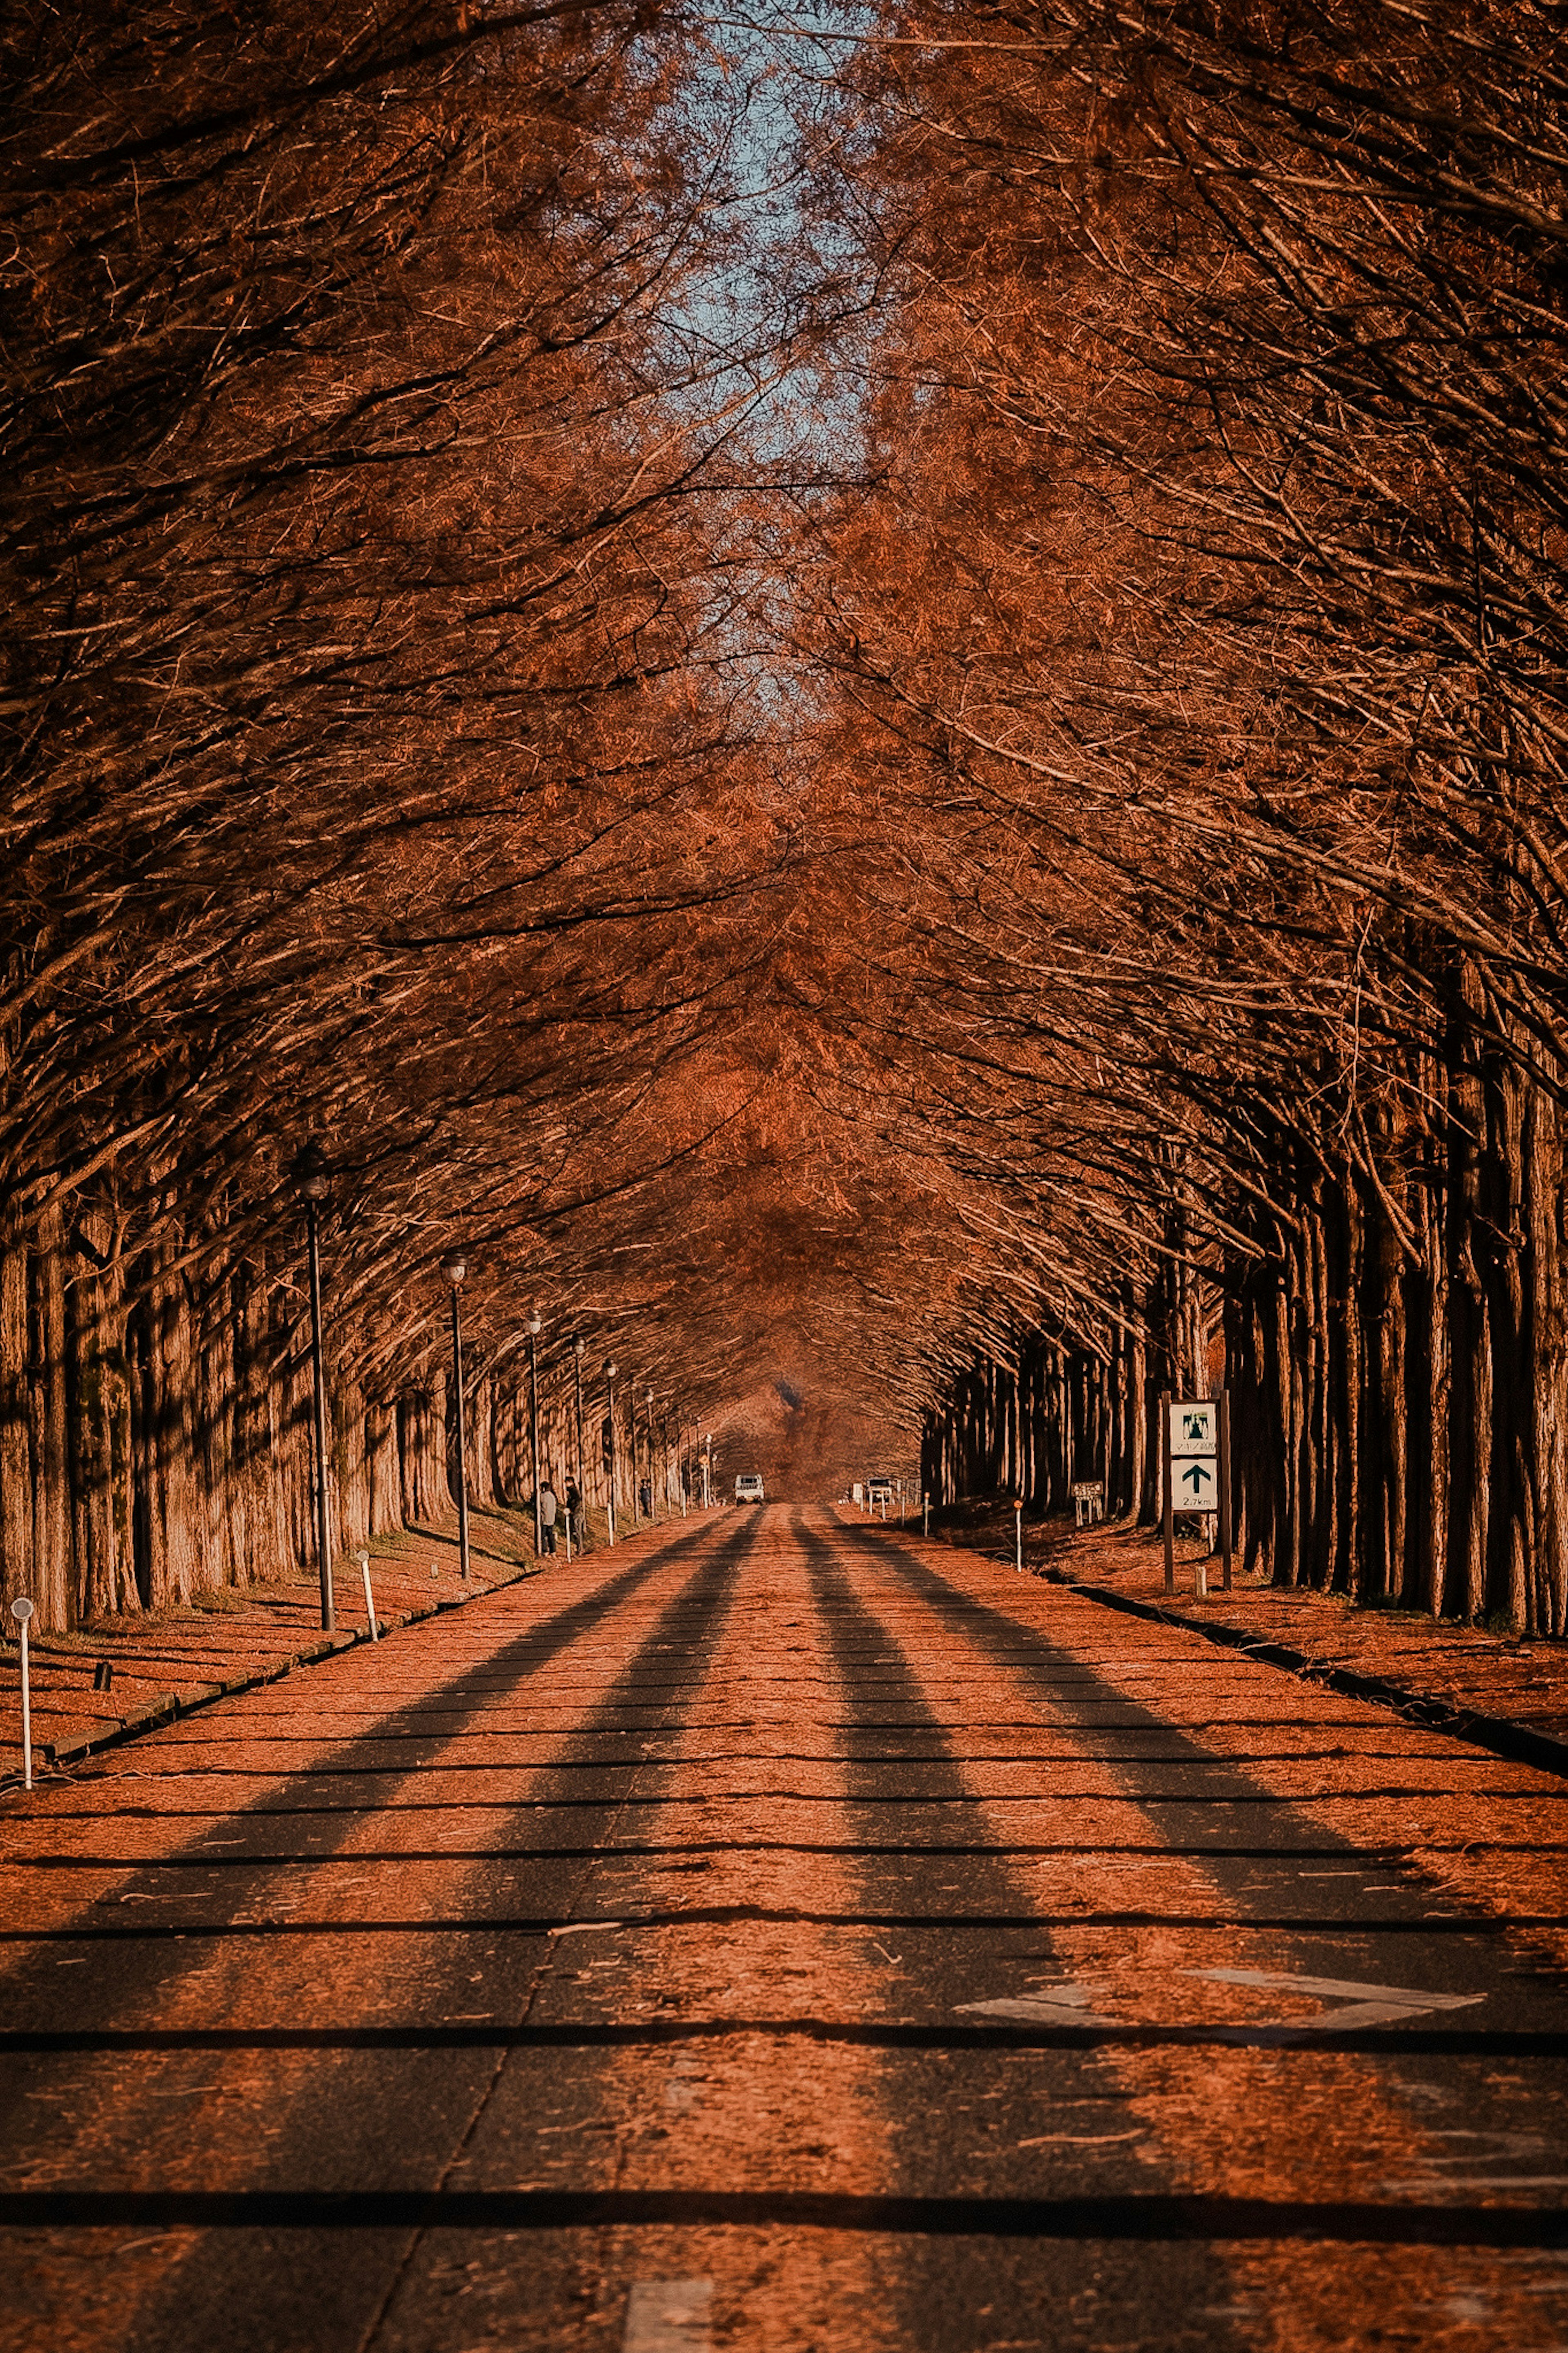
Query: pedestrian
point(645, 1493)
point(575, 1510)
point(548, 1508)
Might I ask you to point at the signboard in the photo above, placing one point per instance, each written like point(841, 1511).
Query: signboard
point(1195, 1481)
point(1194, 1428)
point(1195, 1468)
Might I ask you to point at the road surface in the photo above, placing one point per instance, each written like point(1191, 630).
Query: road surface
point(791, 1934)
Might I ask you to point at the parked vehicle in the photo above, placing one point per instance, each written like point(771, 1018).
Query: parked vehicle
point(749, 1488)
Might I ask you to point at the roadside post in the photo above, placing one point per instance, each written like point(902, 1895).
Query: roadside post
point(925, 1507)
point(1018, 1536)
point(369, 1598)
point(22, 1609)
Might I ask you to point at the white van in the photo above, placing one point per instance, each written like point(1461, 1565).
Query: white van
point(748, 1488)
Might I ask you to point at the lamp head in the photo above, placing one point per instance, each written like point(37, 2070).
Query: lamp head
point(454, 1266)
point(311, 1176)
point(611, 1368)
point(533, 1326)
point(579, 1347)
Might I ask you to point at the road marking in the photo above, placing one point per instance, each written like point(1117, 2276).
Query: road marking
point(1370, 2005)
point(669, 2317)
point(1064, 2004)
point(1078, 2140)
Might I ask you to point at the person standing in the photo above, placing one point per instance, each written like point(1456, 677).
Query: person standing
point(575, 1510)
point(548, 1507)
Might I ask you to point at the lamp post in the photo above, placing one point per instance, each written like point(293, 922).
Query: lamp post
point(310, 1177)
point(454, 1266)
point(577, 1353)
point(652, 1512)
point(533, 1329)
point(610, 1418)
point(707, 1472)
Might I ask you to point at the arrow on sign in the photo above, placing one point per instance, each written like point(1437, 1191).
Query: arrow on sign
point(1194, 1477)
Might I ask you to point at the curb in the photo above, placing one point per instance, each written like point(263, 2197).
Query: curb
point(1499, 1733)
point(199, 1695)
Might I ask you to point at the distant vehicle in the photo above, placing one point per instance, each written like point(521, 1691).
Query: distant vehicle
point(748, 1488)
point(878, 1491)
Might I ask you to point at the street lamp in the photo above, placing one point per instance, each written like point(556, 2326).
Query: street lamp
point(454, 1266)
point(577, 1355)
point(650, 1503)
point(314, 1184)
point(532, 1328)
point(610, 1419)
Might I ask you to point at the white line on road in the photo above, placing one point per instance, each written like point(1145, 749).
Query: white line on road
point(1371, 2005)
point(1066, 2004)
point(669, 2317)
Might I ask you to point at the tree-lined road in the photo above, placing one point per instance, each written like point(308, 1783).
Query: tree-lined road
point(785, 1933)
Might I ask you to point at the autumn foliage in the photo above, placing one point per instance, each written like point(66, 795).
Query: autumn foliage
point(1026, 872)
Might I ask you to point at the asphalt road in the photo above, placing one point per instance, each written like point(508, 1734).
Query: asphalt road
point(784, 1934)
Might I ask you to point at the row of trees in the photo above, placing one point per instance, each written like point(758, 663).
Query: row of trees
point(1205, 628)
point(377, 770)
point(995, 834)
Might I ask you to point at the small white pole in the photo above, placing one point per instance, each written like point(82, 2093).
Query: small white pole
point(22, 1609)
point(567, 1517)
point(369, 1598)
point(925, 1506)
point(1018, 1537)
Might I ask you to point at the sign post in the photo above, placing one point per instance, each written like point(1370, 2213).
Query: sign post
point(1170, 1513)
point(1194, 1473)
point(22, 1609)
point(1226, 1532)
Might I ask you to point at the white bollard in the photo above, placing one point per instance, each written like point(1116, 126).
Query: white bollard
point(369, 1598)
point(22, 1609)
point(1018, 1538)
point(1201, 1586)
point(925, 1506)
point(567, 1517)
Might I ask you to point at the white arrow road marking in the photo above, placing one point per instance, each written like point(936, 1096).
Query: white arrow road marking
point(1371, 2005)
point(669, 2317)
point(1066, 2004)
